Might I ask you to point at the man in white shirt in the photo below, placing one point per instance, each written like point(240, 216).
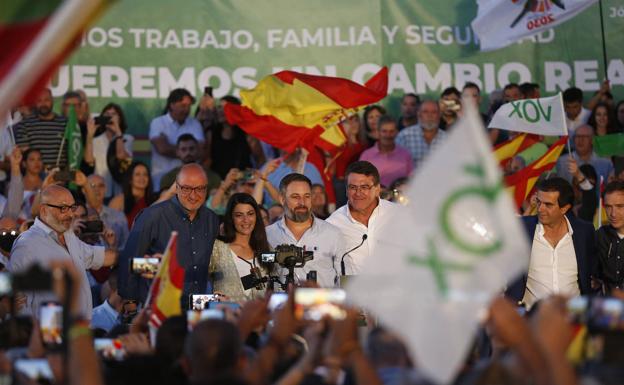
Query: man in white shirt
point(300, 228)
point(563, 254)
point(51, 237)
point(165, 130)
point(576, 114)
point(365, 213)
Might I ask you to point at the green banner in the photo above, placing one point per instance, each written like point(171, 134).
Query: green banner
point(140, 50)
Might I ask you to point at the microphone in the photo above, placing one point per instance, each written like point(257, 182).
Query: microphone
point(342, 264)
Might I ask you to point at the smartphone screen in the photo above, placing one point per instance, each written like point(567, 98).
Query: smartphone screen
point(313, 304)
point(145, 265)
point(606, 314)
point(201, 301)
point(577, 310)
point(51, 323)
point(277, 300)
point(36, 369)
point(219, 304)
point(6, 288)
point(110, 349)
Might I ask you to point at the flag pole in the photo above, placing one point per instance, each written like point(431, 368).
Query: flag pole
point(604, 43)
point(600, 201)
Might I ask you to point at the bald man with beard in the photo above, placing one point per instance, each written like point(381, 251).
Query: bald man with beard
point(51, 238)
point(197, 228)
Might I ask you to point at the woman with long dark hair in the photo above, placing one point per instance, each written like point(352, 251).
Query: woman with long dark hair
point(235, 253)
point(137, 194)
point(602, 120)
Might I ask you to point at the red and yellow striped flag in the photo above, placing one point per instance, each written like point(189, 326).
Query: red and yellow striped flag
point(521, 183)
point(167, 287)
point(290, 109)
point(505, 151)
point(36, 36)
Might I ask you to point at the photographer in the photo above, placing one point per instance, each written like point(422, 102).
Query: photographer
point(235, 253)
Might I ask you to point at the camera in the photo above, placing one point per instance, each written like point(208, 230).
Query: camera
point(288, 256)
point(7, 237)
point(33, 279)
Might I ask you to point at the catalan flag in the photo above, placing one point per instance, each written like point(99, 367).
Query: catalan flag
point(290, 109)
point(505, 151)
point(36, 36)
point(167, 287)
point(522, 182)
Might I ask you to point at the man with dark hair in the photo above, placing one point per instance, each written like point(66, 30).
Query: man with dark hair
point(166, 129)
point(576, 115)
point(300, 227)
point(409, 111)
point(562, 259)
point(197, 228)
point(450, 106)
point(392, 161)
point(364, 214)
point(187, 150)
point(530, 90)
point(43, 131)
point(424, 137)
point(609, 239)
point(511, 92)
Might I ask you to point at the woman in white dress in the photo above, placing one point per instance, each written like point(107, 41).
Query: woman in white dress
point(236, 253)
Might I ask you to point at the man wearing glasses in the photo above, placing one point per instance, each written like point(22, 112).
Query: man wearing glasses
point(197, 228)
point(51, 237)
point(363, 216)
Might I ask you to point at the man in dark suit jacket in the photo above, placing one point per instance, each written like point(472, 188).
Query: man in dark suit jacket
point(563, 253)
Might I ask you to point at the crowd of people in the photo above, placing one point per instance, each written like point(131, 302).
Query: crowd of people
point(244, 211)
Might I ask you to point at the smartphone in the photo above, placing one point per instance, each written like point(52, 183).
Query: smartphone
point(194, 316)
point(36, 369)
point(51, 324)
point(6, 287)
point(142, 265)
point(219, 304)
point(277, 300)
point(577, 310)
point(312, 304)
point(606, 314)
point(65, 176)
point(201, 301)
point(208, 91)
point(102, 120)
point(110, 349)
point(93, 227)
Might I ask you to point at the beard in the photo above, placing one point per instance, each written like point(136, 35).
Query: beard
point(428, 126)
point(299, 216)
point(43, 110)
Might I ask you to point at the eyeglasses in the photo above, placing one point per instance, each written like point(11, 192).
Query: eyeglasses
point(186, 190)
point(363, 188)
point(63, 209)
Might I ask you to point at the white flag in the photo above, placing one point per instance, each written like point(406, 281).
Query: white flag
point(543, 116)
point(441, 258)
point(502, 22)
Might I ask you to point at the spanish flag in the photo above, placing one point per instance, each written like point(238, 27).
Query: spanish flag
point(167, 287)
point(290, 109)
point(505, 151)
point(521, 183)
point(35, 38)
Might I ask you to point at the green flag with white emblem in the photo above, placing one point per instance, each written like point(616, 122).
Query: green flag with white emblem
point(73, 140)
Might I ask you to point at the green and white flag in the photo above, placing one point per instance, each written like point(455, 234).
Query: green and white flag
point(73, 139)
point(441, 258)
point(543, 116)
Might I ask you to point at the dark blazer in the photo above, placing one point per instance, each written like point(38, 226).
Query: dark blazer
point(584, 248)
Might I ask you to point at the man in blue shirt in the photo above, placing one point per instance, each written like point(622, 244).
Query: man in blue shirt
point(197, 228)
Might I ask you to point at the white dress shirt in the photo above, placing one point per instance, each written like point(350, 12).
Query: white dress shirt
point(552, 270)
point(353, 232)
point(324, 239)
point(172, 130)
point(40, 244)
